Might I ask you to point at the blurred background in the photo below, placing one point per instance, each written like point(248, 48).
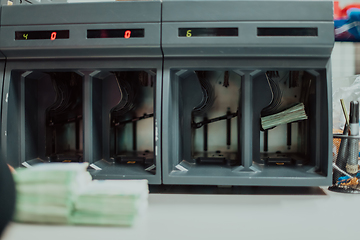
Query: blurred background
point(345, 58)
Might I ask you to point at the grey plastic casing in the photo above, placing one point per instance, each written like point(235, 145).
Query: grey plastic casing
point(248, 55)
point(2, 69)
point(87, 57)
point(78, 17)
point(247, 16)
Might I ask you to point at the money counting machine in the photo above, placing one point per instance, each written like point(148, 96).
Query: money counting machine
point(82, 84)
point(203, 92)
point(227, 66)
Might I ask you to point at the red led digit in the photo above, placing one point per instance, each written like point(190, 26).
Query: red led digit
point(127, 34)
point(53, 36)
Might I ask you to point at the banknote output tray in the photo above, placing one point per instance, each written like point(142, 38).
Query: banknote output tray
point(53, 113)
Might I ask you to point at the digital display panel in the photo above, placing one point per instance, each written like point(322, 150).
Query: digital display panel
point(115, 33)
point(286, 32)
point(40, 35)
point(208, 32)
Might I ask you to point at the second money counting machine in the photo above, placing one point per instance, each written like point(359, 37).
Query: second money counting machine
point(247, 90)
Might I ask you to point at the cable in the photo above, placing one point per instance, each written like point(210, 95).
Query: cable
point(208, 95)
point(276, 100)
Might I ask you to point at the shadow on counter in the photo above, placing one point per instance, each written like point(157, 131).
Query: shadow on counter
point(236, 190)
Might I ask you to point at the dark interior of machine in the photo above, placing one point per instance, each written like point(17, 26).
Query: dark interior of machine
point(288, 88)
point(122, 114)
point(64, 118)
point(54, 108)
point(216, 118)
point(132, 143)
point(215, 112)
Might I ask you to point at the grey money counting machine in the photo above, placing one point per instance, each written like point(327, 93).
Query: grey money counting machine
point(228, 64)
point(82, 84)
point(176, 92)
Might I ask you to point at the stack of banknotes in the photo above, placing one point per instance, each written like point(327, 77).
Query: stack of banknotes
point(63, 193)
point(111, 202)
point(46, 192)
point(293, 114)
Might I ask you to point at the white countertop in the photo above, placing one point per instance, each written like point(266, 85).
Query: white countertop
point(259, 213)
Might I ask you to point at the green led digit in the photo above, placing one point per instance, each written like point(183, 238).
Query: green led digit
point(188, 33)
point(25, 36)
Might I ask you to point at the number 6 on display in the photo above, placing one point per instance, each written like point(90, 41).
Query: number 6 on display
point(188, 33)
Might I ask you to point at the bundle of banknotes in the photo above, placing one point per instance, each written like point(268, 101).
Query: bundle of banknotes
point(46, 192)
point(63, 193)
point(111, 202)
point(292, 114)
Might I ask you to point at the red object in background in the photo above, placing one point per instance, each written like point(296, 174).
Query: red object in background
point(53, 36)
point(342, 13)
